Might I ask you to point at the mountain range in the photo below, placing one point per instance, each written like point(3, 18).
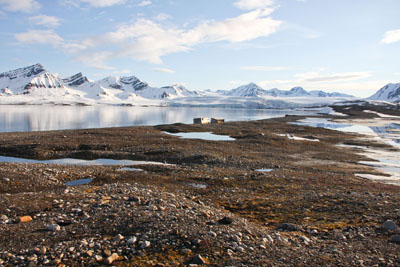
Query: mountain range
point(35, 85)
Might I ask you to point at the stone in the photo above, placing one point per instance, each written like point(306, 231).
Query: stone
point(395, 239)
point(112, 258)
point(25, 219)
point(107, 252)
point(98, 258)
point(118, 237)
point(305, 239)
point(89, 253)
point(132, 240)
point(186, 251)
point(198, 259)
point(240, 249)
point(145, 244)
point(390, 225)
point(212, 234)
point(225, 221)
point(42, 250)
point(3, 218)
point(53, 227)
point(288, 227)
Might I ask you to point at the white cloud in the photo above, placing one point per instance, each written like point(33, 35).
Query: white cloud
point(162, 17)
point(145, 3)
point(337, 77)
point(69, 3)
point(164, 70)
point(95, 60)
point(391, 37)
point(253, 4)
point(26, 6)
point(44, 20)
point(39, 37)
point(264, 68)
point(147, 40)
point(96, 3)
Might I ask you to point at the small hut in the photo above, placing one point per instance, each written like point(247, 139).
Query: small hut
point(202, 120)
point(217, 120)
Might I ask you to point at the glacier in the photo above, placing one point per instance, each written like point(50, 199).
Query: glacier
point(35, 85)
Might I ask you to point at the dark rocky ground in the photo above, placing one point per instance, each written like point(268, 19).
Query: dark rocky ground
point(310, 210)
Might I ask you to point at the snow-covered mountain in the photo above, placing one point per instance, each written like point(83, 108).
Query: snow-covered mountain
point(390, 93)
point(253, 90)
point(33, 80)
point(35, 85)
point(248, 90)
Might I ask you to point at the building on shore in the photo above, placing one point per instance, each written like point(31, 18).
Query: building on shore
point(217, 120)
point(202, 120)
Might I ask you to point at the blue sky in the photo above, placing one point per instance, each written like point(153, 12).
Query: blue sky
point(334, 45)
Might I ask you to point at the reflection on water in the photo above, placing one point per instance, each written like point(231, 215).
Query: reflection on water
point(389, 133)
point(203, 136)
point(15, 118)
point(387, 161)
point(71, 161)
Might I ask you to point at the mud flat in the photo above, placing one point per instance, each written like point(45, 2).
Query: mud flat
point(310, 208)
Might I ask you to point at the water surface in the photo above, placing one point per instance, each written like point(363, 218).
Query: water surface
point(23, 118)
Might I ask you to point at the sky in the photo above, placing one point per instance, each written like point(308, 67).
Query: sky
point(332, 45)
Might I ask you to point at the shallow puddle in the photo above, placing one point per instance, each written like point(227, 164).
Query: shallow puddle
point(203, 136)
point(129, 169)
point(71, 161)
point(79, 182)
point(198, 186)
point(264, 170)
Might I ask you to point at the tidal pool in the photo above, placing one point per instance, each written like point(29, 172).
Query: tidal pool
point(203, 136)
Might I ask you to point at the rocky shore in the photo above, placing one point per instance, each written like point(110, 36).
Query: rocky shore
point(263, 199)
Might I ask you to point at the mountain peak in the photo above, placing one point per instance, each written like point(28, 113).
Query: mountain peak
point(76, 80)
point(248, 90)
point(24, 72)
point(390, 92)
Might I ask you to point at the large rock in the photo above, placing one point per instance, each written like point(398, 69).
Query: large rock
point(389, 225)
point(288, 227)
point(395, 239)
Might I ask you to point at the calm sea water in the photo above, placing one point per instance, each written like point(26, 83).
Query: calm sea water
point(23, 118)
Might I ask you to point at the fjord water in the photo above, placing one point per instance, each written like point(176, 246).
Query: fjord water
point(24, 118)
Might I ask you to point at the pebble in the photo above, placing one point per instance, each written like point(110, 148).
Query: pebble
point(240, 249)
point(98, 258)
point(89, 253)
point(107, 252)
point(389, 225)
point(25, 219)
point(145, 244)
point(268, 239)
point(186, 251)
point(118, 237)
point(53, 227)
point(132, 240)
point(212, 234)
point(112, 258)
point(305, 239)
point(198, 259)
